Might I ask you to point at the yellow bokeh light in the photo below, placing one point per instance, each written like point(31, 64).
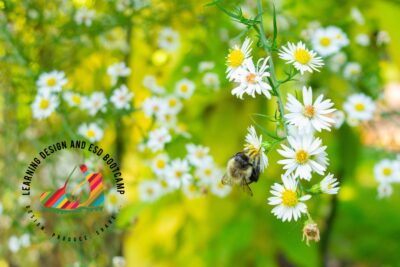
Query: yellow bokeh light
point(159, 57)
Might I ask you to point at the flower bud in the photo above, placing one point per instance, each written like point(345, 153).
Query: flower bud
point(310, 232)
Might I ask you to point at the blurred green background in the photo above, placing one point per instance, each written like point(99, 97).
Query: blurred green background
point(358, 229)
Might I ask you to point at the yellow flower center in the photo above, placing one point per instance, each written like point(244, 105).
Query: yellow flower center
point(113, 199)
point(51, 81)
point(359, 107)
point(301, 156)
point(251, 78)
point(76, 99)
point(178, 174)
point(329, 186)
point(172, 102)
point(164, 184)
point(90, 133)
point(150, 191)
point(387, 171)
point(199, 154)
point(207, 172)
point(325, 41)
point(235, 58)
point(184, 88)
point(309, 111)
point(160, 164)
point(44, 103)
point(220, 185)
point(289, 198)
point(302, 56)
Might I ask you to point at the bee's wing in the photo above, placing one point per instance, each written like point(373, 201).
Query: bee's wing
point(226, 180)
point(246, 188)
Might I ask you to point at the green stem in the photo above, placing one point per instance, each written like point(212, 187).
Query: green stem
point(275, 84)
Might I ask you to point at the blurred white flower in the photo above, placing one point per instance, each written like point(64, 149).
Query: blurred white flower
point(352, 70)
point(73, 99)
point(338, 116)
point(211, 79)
point(184, 88)
point(166, 185)
point(153, 105)
point(91, 131)
point(254, 148)
point(121, 97)
point(206, 65)
point(113, 201)
point(14, 244)
point(360, 107)
point(387, 171)
point(207, 172)
point(168, 39)
point(382, 38)
point(305, 154)
point(167, 118)
point(158, 138)
point(178, 172)
point(362, 39)
point(385, 190)
point(328, 41)
point(173, 104)
point(118, 261)
point(25, 240)
point(219, 189)
point(289, 204)
point(115, 39)
point(150, 82)
point(149, 190)
point(357, 16)
point(118, 70)
point(1, 208)
point(191, 190)
point(49, 82)
point(251, 79)
point(310, 115)
point(84, 16)
point(44, 105)
point(337, 61)
point(329, 185)
point(197, 155)
point(236, 57)
point(302, 58)
point(159, 164)
point(94, 103)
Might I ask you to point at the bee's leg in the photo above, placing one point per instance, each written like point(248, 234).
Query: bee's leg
point(246, 188)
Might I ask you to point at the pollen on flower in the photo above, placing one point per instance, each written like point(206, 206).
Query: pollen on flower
point(309, 111)
point(44, 103)
point(51, 82)
point(235, 58)
point(302, 56)
point(387, 171)
point(251, 78)
point(301, 156)
point(325, 41)
point(90, 133)
point(359, 107)
point(289, 198)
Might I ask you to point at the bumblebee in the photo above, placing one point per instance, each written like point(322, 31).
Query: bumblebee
point(242, 170)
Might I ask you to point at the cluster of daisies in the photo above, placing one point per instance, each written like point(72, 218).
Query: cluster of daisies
point(387, 172)
point(304, 155)
point(50, 91)
point(196, 173)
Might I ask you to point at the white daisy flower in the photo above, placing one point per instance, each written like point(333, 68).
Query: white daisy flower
point(73, 99)
point(178, 172)
point(95, 102)
point(167, 118)
point(197, 155)
point(254, 148)
point(118, 70)
point(382, 38)
point(324, 41)
point(362, 39)
point(1, 209)
point(211, 79)
point(149, 190)
point(302, 58)
point(113, 201)
point(121, 97)
point(158, 138)
point(49, 82)
point(14, 244)
point(184, 88)
point(385, 190)
point(115, 39)
point(153, 105)
point(310, 115)
point(338, 116)
point(251, 79)
point(329, 185)
point(386, 171)
point(91, 131)
point(25, 240)
point(191, 190)
point(84, 16)
point(219, 189)
point(305, 154)
point(289, 204)
point(159, 164)
point(236, 57)
point(166, 185)
point(173, 104)
point(206, 65)
point(352, 121)
point(168, 39)
point(207, 172)
point(150, 82)
point(352, 70)
point(118, 261)
point(357, 16)
point(340, 37)
point(360, 107)
point(337, 61)
point(44, 105)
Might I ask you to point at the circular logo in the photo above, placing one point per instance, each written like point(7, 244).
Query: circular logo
point(73, 190)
